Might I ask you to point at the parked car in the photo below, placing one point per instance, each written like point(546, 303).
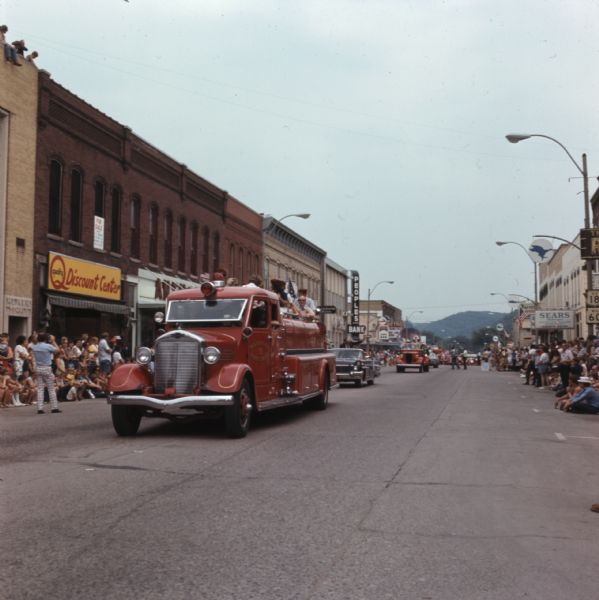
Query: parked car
point(412, 355)
point(353, 365)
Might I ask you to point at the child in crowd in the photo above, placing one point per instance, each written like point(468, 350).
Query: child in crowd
point(28, 388)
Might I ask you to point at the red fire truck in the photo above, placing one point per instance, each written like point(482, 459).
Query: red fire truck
point(225, 351)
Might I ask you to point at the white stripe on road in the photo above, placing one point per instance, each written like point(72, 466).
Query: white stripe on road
point(561, 437)
point(583, 437)
point(536, 410)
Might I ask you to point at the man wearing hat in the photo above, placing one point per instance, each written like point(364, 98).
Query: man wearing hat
point(585, 401)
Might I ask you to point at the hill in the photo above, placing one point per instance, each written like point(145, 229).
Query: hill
point(463, 324)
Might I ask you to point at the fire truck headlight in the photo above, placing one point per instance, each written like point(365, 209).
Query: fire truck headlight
point(159, 317)
point(211, 355)
point(143, 356)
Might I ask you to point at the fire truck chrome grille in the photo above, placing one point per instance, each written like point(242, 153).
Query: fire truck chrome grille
point(177, 364)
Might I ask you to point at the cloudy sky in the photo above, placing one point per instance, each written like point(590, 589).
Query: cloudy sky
point(384, 119)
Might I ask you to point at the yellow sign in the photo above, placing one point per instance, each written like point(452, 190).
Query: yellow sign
point(73, 276)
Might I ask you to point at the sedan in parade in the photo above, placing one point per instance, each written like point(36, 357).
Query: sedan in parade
point(354, 365)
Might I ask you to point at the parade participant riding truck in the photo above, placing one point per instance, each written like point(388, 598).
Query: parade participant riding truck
point(225, 351)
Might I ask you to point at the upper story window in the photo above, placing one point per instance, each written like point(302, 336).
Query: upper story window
point(181, 246)
point(134, 226)
point(76, 202)
point(99, 193)
point(153, 228)
point(193, 254)
point(55, 195)
point(206, 251)
point(168, 239)
point(232, 260)
point(216, 251)
point(115, 221)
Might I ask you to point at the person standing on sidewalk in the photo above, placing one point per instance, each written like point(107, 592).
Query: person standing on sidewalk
point(43, 353)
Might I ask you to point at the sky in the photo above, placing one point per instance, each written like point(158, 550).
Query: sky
point(383, 119)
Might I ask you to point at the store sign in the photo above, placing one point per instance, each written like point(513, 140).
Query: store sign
point(17, 306)
point(98, 233)
point(82, 277)
point(554, 319)
point(356, 329)
point(355, 297)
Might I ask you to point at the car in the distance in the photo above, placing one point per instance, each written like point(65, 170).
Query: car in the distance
point(354, 365)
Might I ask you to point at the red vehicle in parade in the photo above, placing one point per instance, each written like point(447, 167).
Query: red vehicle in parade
point(412, 355)
point(225, 351)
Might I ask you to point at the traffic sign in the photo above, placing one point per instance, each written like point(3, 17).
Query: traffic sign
point(592, 297)
point(356, 329)
point(592, 316)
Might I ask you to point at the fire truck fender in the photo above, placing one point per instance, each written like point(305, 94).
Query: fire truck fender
point(230, 378)
point(326, 373)
point(130, 376)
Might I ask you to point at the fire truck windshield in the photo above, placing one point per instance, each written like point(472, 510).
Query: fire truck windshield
point(182, 311)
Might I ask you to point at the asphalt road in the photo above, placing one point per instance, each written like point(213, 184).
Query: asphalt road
point(447, 485)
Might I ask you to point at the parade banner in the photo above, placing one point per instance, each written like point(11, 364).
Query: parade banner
point(82, 277)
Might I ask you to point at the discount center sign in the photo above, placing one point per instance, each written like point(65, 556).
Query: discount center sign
point(73, 276)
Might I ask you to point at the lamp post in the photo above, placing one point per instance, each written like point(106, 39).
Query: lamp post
point(533, 262)
point(269, 225)
point(414, 312)
point(368, 312)
point(554, 237)
point(514, 138)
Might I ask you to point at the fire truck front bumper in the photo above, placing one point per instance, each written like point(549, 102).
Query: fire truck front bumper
point(169, 403)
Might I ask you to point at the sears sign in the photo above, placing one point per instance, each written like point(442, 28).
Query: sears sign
point(554, 319)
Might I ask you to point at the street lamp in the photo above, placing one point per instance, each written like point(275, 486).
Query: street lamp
point(514, 138)
point(368, 312)
point(533, 262)
point(554, 237)
point(270, 225)
point(414, 312)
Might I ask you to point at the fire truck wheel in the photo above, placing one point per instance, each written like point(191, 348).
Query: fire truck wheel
point(322, 401)
point(126, 419)
point(238, 416)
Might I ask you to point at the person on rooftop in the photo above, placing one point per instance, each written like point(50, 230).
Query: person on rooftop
point(10, 52)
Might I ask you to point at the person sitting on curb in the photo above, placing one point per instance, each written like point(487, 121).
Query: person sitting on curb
point(586, 400)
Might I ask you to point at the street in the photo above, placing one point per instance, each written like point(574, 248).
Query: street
point(443, 485)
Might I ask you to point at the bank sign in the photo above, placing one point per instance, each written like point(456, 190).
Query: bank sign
point(554, 319)
point(82, 277)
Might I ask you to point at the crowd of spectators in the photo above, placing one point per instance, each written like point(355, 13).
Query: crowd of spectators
point(568, 369)
point(41, 368)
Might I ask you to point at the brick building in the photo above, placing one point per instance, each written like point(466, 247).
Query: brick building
point(110, 207)
point(18, 127)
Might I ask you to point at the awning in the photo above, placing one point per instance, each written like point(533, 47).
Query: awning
point(71, 302)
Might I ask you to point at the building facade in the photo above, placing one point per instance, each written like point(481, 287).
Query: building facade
point(382, 320)
point(18, 126)
point(107, 199)
point(336, 294)
point(562, 284)
point(292, 258)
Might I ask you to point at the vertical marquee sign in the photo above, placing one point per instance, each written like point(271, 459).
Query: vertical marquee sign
point(355, 301)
